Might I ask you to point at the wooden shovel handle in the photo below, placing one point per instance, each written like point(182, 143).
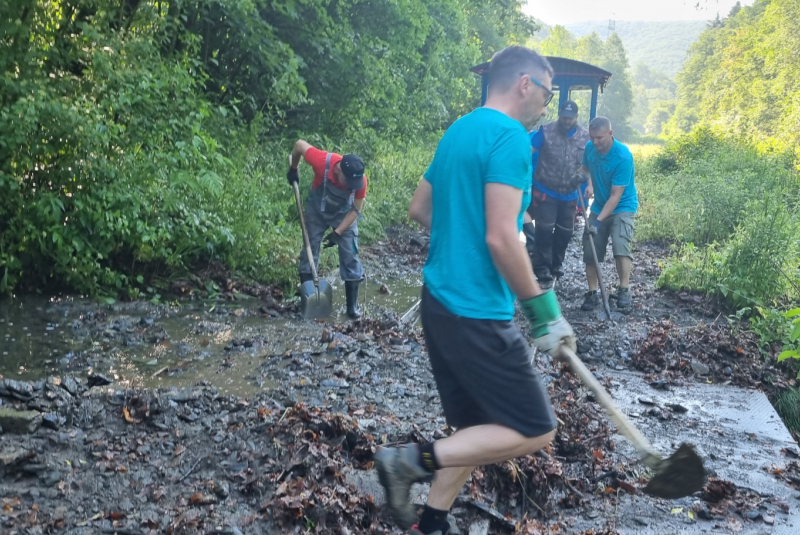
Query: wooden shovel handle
point(626, 427)
point(306, 241)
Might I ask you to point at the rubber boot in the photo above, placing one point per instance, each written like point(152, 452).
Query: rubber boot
point(304, 277)
point(351, 292)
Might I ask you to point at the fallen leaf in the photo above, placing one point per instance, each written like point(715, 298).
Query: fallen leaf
point(676, 510)
point(116, 515)
point(126, 413)
point(179, 450)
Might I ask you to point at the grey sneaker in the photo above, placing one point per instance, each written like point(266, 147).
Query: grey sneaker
point(623, 297)
point(398, 470)
point(591, 300)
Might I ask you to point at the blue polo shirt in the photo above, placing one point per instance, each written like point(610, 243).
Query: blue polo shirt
point(612, 169)
point(483, 147)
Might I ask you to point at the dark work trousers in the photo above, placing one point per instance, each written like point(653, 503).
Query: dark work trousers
point(554, 221)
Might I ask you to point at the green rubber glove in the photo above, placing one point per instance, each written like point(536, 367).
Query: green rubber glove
point(549, 328)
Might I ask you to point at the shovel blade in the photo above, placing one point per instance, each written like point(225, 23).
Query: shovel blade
point(682, 474)
point(316, 304)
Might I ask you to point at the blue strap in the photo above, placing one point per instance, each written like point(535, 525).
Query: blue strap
point(557, 196)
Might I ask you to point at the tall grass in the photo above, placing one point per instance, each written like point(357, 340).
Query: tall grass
point(732, 214)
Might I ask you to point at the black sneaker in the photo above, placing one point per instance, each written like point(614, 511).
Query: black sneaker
point(557, 272)
point(591, 300)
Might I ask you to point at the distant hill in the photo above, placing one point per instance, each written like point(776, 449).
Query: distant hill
point(659, 45)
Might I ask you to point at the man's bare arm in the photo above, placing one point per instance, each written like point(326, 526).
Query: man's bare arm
point(421, 209)
point(611, 203)
point(299, 150)
point(502, 238)
point(350, 216)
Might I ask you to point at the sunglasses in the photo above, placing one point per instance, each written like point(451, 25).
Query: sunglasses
point(548, 94)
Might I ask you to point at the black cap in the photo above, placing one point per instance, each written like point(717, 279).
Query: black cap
point(569, 109)
point(352, 167)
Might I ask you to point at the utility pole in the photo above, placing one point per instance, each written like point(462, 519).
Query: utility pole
point(612, 24)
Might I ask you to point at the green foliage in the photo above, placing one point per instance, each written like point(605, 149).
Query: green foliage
point(791, 348)
point(741, 75)
point(140, 138)
point(661, 46)
point(616, 101)
point(787, 404)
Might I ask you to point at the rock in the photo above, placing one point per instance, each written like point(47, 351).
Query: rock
point(385, 290)
point(769, 520)
point(334, 383)
point(70, 385)
point(220, 488)
point(700, 368)
point(646, 401)
point(51, 420)
point(481, 527)
point(676, 407)
point(97, 379)
point(20, 422)
point(23, 389)
point(50, 478)
point(753, 514)
point(146, 322)
point(660, 384)
point(727, 371)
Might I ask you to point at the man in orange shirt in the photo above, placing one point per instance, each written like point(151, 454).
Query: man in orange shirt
point(334, 201)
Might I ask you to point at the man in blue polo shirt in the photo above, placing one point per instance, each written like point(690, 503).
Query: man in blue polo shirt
point(472, 198)
point(609, 163)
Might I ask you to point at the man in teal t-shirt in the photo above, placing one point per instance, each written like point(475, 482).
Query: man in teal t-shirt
point(472, 199)
point(609, 163)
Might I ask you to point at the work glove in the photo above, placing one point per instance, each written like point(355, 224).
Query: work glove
point(292, 176)
point(593, 227)
point(331, 239)
point(549, 328)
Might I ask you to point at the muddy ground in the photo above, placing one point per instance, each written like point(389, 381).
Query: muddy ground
point(224, 412)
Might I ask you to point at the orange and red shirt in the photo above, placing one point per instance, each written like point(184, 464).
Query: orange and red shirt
point(316, 159)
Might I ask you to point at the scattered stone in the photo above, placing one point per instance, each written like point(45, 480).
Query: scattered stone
point(385, 290)
point(147, 322)
point(51, 420)
point(70, 385)
point(676, 407)
point(769, 520)
point(646, 401)
point(334, 383)
point(20, 422)
point(727, 371)
point(700, 368)
point(660, 384)
point(481, 527)
point(97, 379)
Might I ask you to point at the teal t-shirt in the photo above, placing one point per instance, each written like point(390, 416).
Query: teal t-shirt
point(481, 147)
point(612, 169)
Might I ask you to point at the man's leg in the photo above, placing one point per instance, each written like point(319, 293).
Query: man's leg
point(350, 269)
point(621, 238)
point(562, 234)
point(545, 210)
point(316, 227)
point(624, 264)
point(489, 391)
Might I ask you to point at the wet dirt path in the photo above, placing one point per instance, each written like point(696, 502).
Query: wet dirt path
point(236, 416)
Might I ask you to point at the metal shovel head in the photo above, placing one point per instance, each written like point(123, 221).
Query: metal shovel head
point(314, 304)
point(682, 474)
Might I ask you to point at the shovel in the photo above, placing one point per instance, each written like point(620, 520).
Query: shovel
point(681, 474)
point(316, 297)
point(594, 257)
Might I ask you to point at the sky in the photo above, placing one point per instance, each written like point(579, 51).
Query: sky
point(568, 11)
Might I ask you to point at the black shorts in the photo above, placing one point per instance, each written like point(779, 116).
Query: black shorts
point(484, 372)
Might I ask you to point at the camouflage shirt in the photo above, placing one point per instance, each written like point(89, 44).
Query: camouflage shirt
point(560, 157)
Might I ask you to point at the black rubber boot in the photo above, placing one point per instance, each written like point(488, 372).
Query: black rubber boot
point(351, 292)
point(303, 278)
